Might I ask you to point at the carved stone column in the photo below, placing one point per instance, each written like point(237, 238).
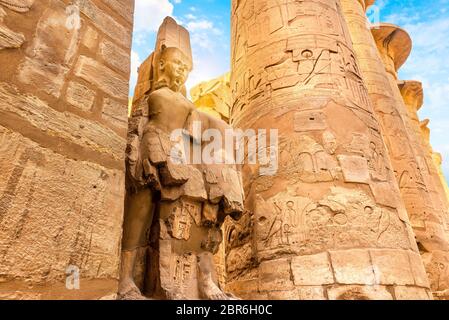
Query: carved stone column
point(393, 43)
point(329, 224)
point(379, 69)
point(394, 46)
point(412, 94)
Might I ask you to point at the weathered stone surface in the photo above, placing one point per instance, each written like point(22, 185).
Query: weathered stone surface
point(418, 270)
point(312, 270)
point(65, 126)
point(90, 38)
point(80, 96)
point(101, 76)
point(53, 216)
point(46, 64)
point(125, 8)
point(311, 293)
point(114, 56)
point(392, 267)
point(353, 267)
point(355, 169)
point(353, 292)
point(115, 113)
point(62, 182)
point(275, 275)
point(410, 293)
point(9, 38)
point(107, 24)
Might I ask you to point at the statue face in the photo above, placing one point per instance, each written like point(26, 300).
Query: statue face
point(175, 65)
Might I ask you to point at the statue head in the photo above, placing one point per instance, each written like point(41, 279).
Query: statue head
point(174, 68)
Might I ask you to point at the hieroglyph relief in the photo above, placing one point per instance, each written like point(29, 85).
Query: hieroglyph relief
point(287, 223)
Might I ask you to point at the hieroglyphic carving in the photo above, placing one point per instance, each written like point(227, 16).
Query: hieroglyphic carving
point(183, 214)
point(307, 160)
point(295, 224)
point(293, 69)
point(371, 147)
point(380, 60)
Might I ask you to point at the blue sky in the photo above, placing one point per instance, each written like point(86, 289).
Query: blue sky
point(209, 26)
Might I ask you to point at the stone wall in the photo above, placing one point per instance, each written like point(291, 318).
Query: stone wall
point(64, 70)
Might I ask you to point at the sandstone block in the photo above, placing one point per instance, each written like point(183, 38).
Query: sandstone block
point(353, 292)
point(106, 23)
point(125, 8)
point(275, 275)
point(80, 96)
point(104, 78)
point(93, 138)
point(352, 267)
point(114, 56)
point(90, 38)
point(312, 270)
point(311, 293)
point(115, 112)
point(355, 169)
point(410, 293)
point(392, 267)
point(46, 64)
point(418, 270)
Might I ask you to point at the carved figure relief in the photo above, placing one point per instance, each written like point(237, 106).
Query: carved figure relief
point(288, 223)
point(309, 161)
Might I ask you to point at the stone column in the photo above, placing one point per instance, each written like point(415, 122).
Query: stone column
point(412, 94)
point(63, 126)
point(329, 223)
point(417, 188)
point(393, 43)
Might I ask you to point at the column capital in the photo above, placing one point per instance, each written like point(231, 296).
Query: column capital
point(412, 93)
point(367, 3)
point(394, 44)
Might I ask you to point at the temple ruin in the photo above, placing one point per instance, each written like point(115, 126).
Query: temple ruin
point(357, 206)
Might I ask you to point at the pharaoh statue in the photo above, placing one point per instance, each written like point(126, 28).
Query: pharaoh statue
point(175, 205)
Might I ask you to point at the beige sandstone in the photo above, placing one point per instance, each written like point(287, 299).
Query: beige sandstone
point(352, 205)
point(214, 97)
point(63, 176)
point(381, 51)
point(334, 201)
point(174, 208)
